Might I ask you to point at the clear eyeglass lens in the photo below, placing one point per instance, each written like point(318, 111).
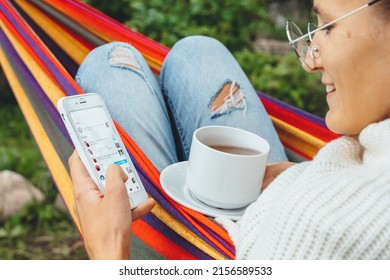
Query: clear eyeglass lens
point(301, 46)
point(311, 26)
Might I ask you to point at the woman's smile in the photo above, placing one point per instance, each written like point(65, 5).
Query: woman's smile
point(330, 91)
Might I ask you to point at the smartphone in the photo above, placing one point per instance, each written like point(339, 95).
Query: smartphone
point(97, 142)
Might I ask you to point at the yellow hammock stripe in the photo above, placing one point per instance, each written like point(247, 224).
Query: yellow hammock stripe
point(297, 138)
point(52, 90)
point(73, 48)
point(55, 165)
point(183, 231)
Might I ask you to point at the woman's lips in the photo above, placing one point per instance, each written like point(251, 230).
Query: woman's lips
point(330, 91)
point(330, 88)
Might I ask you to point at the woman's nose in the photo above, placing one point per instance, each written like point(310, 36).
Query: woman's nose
point(312, 59)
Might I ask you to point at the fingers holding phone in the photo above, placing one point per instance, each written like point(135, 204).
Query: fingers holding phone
point(81, 180)
point(98, 143)
point(106, 184)
point(105, 219)
point(116, 178)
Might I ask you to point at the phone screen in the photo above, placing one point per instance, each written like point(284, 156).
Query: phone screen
point(101, 144)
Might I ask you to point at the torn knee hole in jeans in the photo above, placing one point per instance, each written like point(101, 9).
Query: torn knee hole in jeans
point(229, 98)
point(124, 57)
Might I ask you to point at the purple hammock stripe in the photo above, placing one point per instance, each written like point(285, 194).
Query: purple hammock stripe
point(174, 212)
point(172, 235)
point(288, 107)
point(221, 240)
point(59, 53)
point(64, 84)
point(153, 191)
point(56, 117)
point(6, 44)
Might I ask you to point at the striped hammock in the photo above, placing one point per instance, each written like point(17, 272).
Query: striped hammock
point(42, 44)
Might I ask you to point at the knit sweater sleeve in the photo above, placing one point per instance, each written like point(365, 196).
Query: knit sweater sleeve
point(336, 206)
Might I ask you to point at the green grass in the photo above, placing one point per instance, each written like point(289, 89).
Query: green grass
point(41, 232)
point(18, 151)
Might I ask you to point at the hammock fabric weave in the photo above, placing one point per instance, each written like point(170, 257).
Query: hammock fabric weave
point(42, 44)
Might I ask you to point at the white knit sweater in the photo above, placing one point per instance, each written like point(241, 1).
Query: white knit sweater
point(336, 206)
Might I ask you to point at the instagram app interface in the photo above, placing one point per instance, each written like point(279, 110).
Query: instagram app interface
point(101, 144)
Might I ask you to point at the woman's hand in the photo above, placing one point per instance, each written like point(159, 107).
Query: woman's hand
point(105, 219)
point(273, 170)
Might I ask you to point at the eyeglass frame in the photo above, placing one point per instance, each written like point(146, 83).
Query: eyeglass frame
point(310, 33)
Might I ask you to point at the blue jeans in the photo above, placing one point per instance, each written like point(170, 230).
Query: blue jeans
point(200, 84)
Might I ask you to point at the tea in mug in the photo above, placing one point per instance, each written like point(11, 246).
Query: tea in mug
point(235, 150)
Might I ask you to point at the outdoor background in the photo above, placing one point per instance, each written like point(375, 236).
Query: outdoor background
point(254, 30)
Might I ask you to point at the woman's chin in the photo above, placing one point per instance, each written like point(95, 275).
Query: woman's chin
point(339, 125)
point(334, 124)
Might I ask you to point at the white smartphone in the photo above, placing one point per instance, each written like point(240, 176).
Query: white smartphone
point(97, 142)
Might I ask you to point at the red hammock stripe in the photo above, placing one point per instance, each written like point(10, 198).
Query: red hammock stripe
point(92, 17)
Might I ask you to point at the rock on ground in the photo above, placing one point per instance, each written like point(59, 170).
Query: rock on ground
point(15, 192)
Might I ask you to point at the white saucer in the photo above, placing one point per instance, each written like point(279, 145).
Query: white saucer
point(172, 180)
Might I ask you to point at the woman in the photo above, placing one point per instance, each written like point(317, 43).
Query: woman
point(335, 207)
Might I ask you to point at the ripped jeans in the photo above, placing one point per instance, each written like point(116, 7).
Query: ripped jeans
point(200, 84)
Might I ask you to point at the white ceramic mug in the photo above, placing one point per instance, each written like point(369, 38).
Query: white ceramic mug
point(226, 166)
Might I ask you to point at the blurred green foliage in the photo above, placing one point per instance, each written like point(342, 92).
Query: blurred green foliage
point(235, 23)
point(40, 231)
point(283, 77)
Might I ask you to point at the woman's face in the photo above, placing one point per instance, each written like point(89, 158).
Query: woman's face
point(354, 60)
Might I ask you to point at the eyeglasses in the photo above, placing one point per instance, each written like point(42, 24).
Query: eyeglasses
point(301, 43)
